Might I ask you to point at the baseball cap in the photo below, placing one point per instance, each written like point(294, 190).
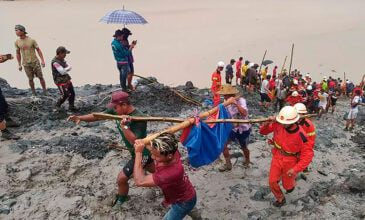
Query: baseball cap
point(118, 98)
point(62, 49)
point(20, 28)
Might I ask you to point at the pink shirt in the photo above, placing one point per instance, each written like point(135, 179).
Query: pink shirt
point(234, 113)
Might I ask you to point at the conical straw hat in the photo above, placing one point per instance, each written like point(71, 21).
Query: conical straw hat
point(228, 90)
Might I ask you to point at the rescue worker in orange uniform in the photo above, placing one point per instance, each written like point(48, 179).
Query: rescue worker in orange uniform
point(217, 82)
point(292, 151)
point(294, 98)
point(307, 126)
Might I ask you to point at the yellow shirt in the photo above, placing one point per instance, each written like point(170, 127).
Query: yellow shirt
point(244, 70)
point(27, 47)
point(263, 73)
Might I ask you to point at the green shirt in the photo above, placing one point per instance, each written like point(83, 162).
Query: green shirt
point(139, 129)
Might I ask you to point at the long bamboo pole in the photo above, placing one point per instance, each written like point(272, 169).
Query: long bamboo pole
point(180, 120)
point(136, 118)
point(291, 58)
point(257, 120)
point(362, 81)
point(263, 58)
point(282, 68)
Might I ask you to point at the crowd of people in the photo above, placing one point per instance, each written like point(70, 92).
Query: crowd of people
point(293, 95)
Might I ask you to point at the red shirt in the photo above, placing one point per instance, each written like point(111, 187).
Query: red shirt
point(238, 66)
point(174, 182)
point(216, 81)
point(309, 129)
point(272, 84)
point(295, 141)
point(294, 100)
point(332, 84)
point(274, 72)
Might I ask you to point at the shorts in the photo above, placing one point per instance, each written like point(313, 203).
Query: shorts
point(352, 114)
point(128, 168)
point(265, 97)
point(333, 102)
point(33, 70)
point(242, 138)
point(238, 74)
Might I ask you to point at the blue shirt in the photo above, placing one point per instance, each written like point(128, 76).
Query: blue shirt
point(120, 52)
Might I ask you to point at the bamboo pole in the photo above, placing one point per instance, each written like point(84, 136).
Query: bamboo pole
point(282, 68)
point(186, 123)
point(185, 98)
point(291, 58)
point(149, 80)
point(136, 118)
point(257, 120)
point(263, 58)
point(362, 81)
point(119, 147)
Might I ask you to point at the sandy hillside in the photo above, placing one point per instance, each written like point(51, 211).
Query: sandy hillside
point(185, 39)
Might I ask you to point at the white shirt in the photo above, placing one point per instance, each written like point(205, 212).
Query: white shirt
point(264, 86)
point(323, 99)
point(357, 100)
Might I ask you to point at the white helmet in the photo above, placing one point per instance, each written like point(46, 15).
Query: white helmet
point(295, 82)
point(220, 64)
point(295, 94)
point(301, 109)
point(287, 115)
point(251, 65)
point(309, 87)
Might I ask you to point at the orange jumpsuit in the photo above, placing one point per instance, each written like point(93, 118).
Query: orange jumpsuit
point(291, 150)
point(216, 86)
point(309, 129)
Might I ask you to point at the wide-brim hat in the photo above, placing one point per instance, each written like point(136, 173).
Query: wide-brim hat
point(228, 90)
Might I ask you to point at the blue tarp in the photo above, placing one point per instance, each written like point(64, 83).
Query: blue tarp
point(204, 143)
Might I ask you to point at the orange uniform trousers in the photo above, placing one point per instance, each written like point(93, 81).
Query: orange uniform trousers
point(280, 165)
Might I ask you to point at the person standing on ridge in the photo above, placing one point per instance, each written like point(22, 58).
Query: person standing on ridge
point(238, 70)
point(217, 82)
point(62, 79)
point(25, 48)
point(229, 72)
point(121, 54)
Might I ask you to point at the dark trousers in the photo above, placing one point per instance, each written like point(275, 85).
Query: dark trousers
point(3, 107)
point(281, 103)
point(67, 92)
point(123, 73)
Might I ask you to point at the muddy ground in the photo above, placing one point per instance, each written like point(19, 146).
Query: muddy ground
point(62, 171)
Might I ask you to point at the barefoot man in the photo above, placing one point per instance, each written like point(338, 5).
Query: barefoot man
point(26, 47)
point(130, 131)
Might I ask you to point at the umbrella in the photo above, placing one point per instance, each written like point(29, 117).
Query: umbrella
point(123, 17)
point(267, 62)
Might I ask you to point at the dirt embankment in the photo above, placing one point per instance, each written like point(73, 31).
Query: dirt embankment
point(62, 171)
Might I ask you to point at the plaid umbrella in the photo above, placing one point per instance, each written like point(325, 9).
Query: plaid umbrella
point(123, 17)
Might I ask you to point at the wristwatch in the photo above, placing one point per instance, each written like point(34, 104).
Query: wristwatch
point(125, 127)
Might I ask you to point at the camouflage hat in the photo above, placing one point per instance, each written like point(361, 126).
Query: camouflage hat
point(20, 28)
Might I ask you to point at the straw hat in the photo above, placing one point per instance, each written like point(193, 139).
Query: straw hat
point(228, 90)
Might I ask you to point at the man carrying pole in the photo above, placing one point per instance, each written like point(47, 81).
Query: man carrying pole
point(170, 176)
point(290, 144)
point(130, 131)
point(237, 110)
